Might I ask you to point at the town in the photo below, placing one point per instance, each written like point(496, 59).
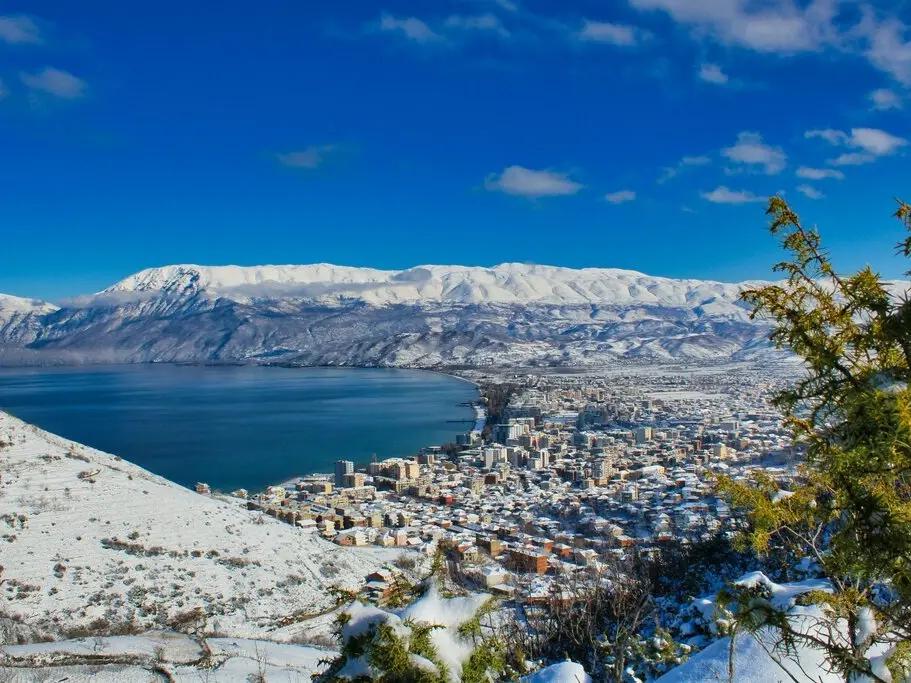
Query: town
point(575, 468)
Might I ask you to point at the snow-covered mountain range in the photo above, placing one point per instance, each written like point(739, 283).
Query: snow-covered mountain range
point(427, 316)
point(505, 284)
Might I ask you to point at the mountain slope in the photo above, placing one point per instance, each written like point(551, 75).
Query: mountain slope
point(20, 319)
point(86, 537)
point(428, 316)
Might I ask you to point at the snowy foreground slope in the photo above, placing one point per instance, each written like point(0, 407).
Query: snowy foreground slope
point(160, 656)
point(88, 540)
point(427, 316)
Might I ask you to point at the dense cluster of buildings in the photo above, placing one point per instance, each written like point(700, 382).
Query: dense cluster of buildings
point(579, 467)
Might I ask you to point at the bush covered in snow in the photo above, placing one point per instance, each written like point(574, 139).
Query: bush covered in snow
point(435, 639)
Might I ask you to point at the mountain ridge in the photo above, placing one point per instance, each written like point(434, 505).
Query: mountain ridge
point(427, 316)
point(506, 283)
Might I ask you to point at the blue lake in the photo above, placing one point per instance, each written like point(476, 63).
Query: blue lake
point(241, 426)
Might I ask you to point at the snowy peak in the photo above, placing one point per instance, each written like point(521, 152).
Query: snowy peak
point(506, 284)
point(14, 305)
point(21, 319)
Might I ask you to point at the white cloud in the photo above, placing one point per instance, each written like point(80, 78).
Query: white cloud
point(19, 30)
point(606, 32)
point(712, 73)
point(311, 157)
point(411, 28)
point(876, 141)
point(819, 173)
point(776, 26)
point(54, 82)
point(852, 159)
point(883, 99)
point(868, 143)
point(796, 26)
point(479, 22)
point(751, 151)
point(526, 182)
point(669, 172)
point(724, 195)
point(835, 137)
point(810, 192)
point(620, 196)
point(888, 46)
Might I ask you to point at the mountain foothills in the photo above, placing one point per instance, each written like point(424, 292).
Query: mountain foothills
point(427, 316)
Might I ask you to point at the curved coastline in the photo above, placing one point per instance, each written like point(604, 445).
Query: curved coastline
point(268, 431)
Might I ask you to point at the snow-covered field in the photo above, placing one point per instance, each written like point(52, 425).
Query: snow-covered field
point(92, 543)
point(158, 656)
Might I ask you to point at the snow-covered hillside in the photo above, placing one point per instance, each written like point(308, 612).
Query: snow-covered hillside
point(21, 319)
point(158, 656)
point(88, 539)
point(507, 283)
point(428, 316)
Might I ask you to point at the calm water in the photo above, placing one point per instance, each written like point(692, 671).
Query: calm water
point(241, 426)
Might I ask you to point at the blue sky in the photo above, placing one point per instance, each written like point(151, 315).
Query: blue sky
point(637, 134)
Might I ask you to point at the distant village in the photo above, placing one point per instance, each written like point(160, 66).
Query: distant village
point(577, 468)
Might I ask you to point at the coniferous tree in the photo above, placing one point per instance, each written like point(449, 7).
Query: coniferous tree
point(850, 408)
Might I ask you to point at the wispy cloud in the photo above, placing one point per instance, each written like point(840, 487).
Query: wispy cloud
point(451, 30)
point(620, 196)
point(779, 27)
point(484, 23)
point(508, 5)
point(867, 144)
point(883, 99)
point(19, 29)
point(810, 192)
point(752, 152)
point(622, 35)
point(852, 159)
point(526, 182)
point(669, 172)
point(888, 45)
point(830, 135)
point(810, 173)
point(55, 82)
point(311, 157)
point(724, 195)
point(411, 28)
point(795, 26)
point(712, 73)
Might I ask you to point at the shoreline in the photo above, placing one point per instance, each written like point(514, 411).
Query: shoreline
point(480, 415)
point(451, 421)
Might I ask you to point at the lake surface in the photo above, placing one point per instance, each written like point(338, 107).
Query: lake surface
point(241, 426)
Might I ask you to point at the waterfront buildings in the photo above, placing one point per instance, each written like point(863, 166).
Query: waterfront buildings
point(343, 468)
point(579, 468)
